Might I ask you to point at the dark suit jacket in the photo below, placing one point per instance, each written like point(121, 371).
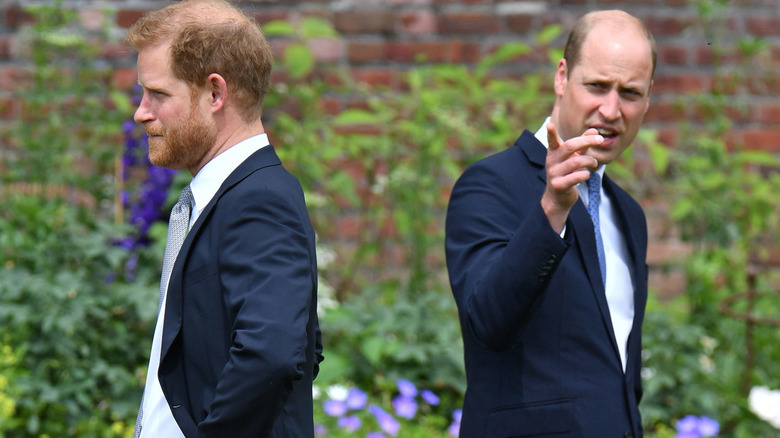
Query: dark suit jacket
point(541, 357)
point(241, 342)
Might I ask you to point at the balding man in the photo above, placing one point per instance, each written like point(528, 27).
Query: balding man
point(546, 254)
point(237, 341)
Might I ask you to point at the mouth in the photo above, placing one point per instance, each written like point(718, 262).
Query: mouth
point(606, 132)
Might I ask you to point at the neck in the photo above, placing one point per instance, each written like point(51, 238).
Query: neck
point(230, 135)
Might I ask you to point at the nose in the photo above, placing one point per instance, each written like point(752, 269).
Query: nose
point(610, 106)
point(143, 113)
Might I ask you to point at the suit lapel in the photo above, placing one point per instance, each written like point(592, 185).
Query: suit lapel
point(264, 157)
point(636, 247)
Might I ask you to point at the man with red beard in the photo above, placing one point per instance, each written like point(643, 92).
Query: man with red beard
point(237, 341)
point(546, 254)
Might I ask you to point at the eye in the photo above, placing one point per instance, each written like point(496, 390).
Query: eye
point(595, 86)
point(632, 93)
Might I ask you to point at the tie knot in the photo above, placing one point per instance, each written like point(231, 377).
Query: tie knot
point(186, 196)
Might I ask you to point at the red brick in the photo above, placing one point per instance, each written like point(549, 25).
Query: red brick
point(115, 50)
point(124, 78)
point(765, 139)
point(662, 251)
point(9, 108)
point(681, 83)
point(12, 78)
point(666, 284)
point(6, 43)
point(472, 2)
point(359, 52)
point(470, 23)
point(769, 113)
point(678, 3)
point(706, 55)
point(519, 23)
point(375, 77)
point(433, 51)
point(673, 55)
point(674, 25)
point(418, 22)
point(764, 85)
point(573, 2)
point(663, 112)
point(330, 105)
point(327, 49)
point(409, 51)
point(377, 21)
point(763, 26)
point(264, 17)
point(128, 17)
point(16, 17)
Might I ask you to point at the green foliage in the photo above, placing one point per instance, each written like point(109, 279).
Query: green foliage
point(387, 166)
point(722, 199)
point(382, 334)
point(74, 329)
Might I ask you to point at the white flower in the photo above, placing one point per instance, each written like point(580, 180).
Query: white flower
point(707, 365)
point(338, 392)
point(316, 392)
point(765, 403)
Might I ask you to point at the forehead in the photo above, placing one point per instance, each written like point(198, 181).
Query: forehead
point(619, 54)
point(154, 66)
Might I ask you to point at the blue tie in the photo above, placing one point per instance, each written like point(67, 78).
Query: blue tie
point(594, 199)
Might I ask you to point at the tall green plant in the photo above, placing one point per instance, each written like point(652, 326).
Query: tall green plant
point(71, 322)
point(384, 164)
point(723, 201)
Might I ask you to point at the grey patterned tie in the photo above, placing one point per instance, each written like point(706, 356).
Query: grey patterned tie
point(594, 199)
point(177, 231)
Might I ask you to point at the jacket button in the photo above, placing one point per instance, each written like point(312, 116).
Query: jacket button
point(628, 434)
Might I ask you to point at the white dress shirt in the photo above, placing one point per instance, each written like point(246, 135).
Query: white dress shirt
point(157, 418)
point(619, 284)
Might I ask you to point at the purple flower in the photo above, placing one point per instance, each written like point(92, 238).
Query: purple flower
point(454, 429)
point(429, 397)
point(350, 423)
point(335, 408)
point(406, 388)
point(692, 426)
point(457, 414)
point(319, 430)
point(375, 435)
point(356, 399)
point(405, 407)
point(387, 422)
point(708, 427)
point(689, 423)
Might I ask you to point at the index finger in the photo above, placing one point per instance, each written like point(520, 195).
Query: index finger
point(553, 140)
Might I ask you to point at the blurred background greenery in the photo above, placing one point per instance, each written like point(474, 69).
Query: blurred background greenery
point(82, 230)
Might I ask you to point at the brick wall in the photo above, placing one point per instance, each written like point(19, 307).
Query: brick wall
point(380, 38)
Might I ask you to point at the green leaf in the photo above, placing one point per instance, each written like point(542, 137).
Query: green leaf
point(504, 53)
point(356, 117)
point(316, 27)
point(761, 158)
point(548, 34)
point(279, 28)
point(298, 60)
point(660, 155)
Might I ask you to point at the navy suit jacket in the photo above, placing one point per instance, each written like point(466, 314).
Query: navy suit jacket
point(241, 341)
point(540, 352)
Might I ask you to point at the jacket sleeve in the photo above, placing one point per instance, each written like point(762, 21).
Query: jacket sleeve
point(501, 252)
point(266, 278)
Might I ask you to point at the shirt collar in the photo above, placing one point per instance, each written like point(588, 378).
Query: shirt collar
point(206, 183)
